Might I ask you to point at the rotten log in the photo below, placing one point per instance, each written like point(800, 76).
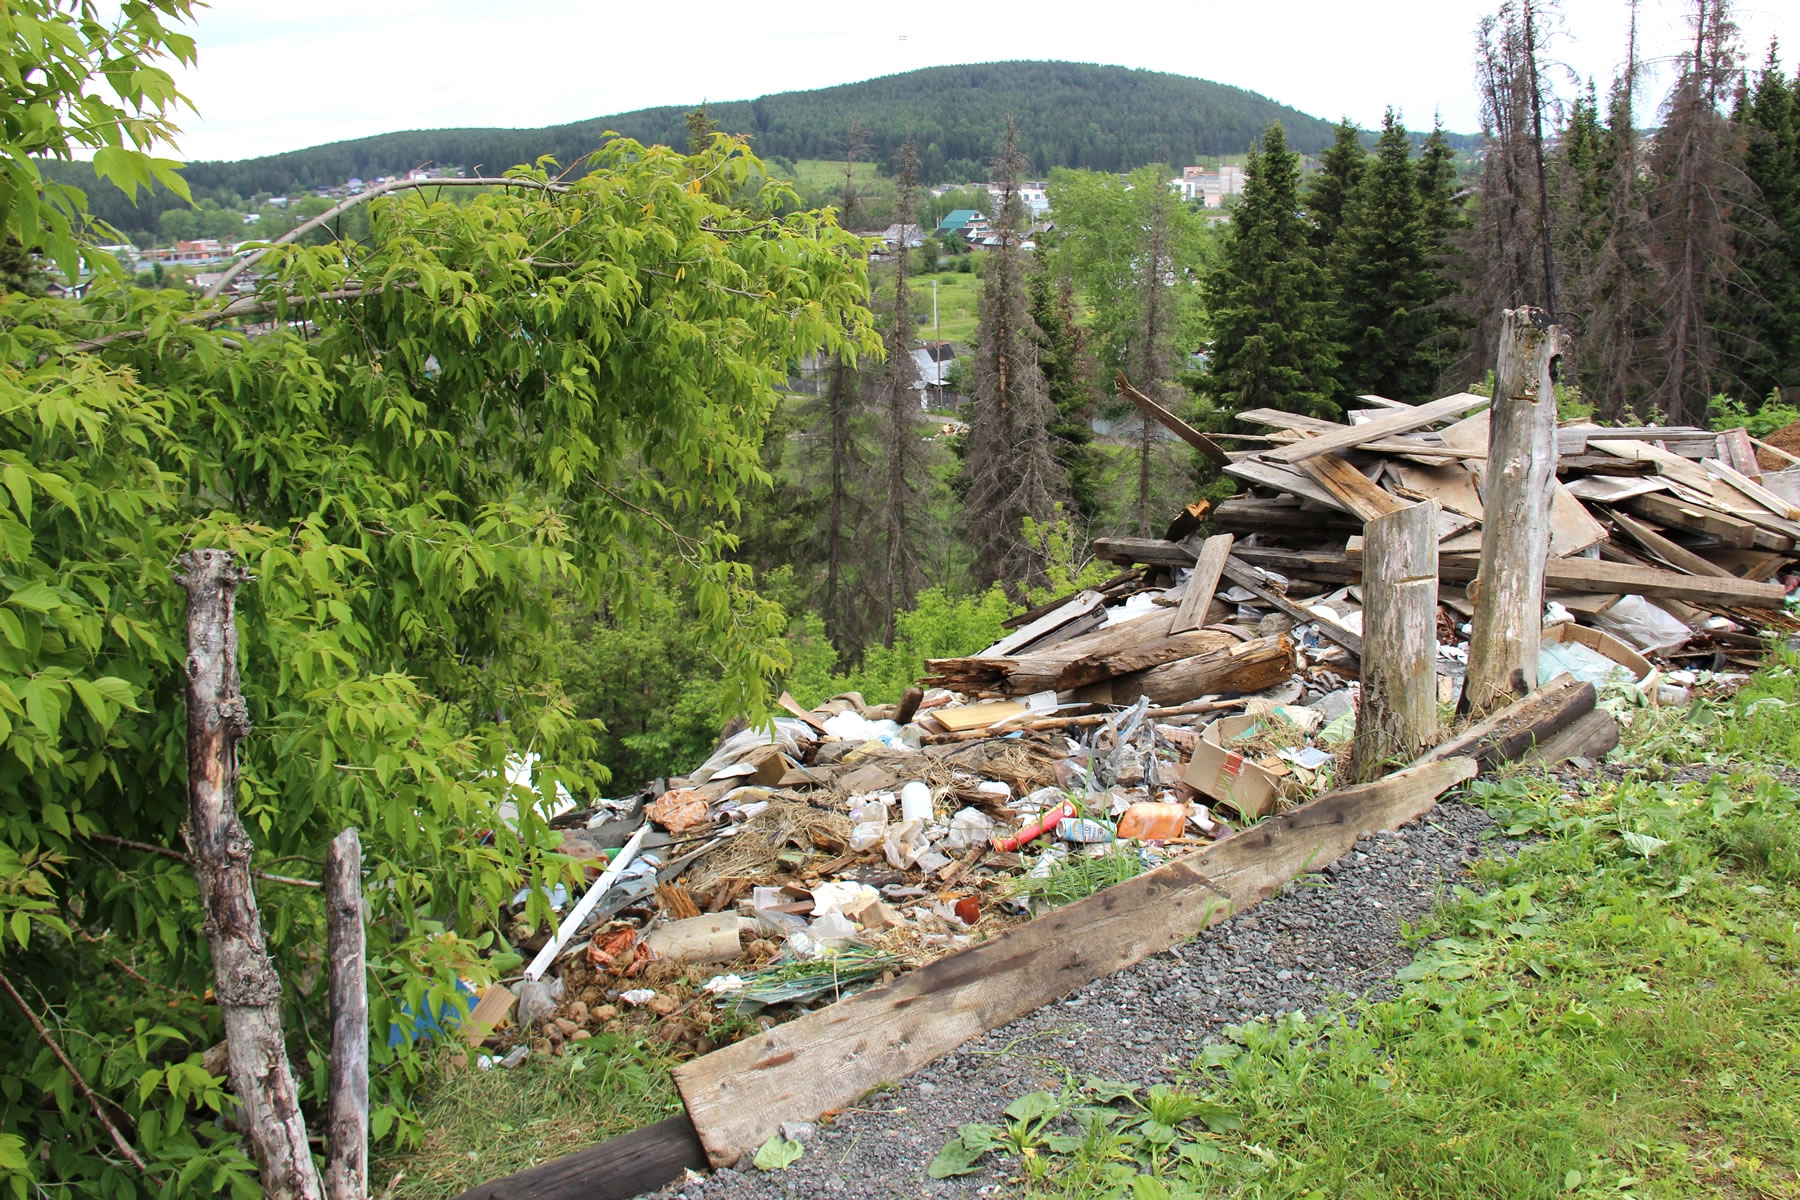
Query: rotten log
point(347, 1130)
point(244, 977)
point(1246, 514)
point(1245, 667)
point(1028, 676)
point(1591, 735)
point(1515, 536)
point(1514, 730)
point(1397, 717)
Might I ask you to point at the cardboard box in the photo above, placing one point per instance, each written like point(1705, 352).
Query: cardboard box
point(1227, 775)
point(1605, 643)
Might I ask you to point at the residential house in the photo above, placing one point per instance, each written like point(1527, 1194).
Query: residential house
point(934, 360)
point(1034, 195)
point(959, 220)
point(914, 236)
point(1208, 186)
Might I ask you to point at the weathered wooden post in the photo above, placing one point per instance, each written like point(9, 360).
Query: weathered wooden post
point(244, 978)
point(1397, 716)
point(1517, 482)
point(347, 1130)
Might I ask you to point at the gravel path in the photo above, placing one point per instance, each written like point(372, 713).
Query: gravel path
point(1330, 936)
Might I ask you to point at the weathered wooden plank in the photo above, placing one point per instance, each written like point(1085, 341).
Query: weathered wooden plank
point(1572, 528)
point(1417, 447)
point(1173, 423)
point(1155, 552)
point(1591, 735)
point(1243, 514)
point(738, 1096)
point(1203, 583)
point(1778, 505)
point(1284, 478)
point(1352, 490)
point(1399, 421)
point(1673, 553)
point(1680, 514)
point(1593, 575)
point(1511, 731)
point(638, 1162)
point(1083, 604)
point(1397, 716)
point(1028, 675)
point(1251, 580)
point(1685, 440)
point(1324, 565)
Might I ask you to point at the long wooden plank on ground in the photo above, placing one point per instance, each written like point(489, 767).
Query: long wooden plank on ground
point(1572, 527)
point(1684, 440)
point(1173, 423)
point(1594, 575)
point(739, 1095)
point(1203, 583)
point(1674, 466)
point(1018, 639)
point(638, 1162)
point(1399, 421)
point(1251, 580)
point(1673, 553)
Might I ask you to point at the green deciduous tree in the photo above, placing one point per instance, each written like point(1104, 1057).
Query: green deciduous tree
point(547, 392)
point(1267, 300)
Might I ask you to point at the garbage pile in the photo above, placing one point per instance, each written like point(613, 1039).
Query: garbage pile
point(1208, 684)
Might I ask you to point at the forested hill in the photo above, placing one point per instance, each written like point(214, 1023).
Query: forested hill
point(1070, 115)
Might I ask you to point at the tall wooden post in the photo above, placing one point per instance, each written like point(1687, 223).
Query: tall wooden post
point(244, 978)
point(1397, 716)
point(347, 1130)
point(1515, 537)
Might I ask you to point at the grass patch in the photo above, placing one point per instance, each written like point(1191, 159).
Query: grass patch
point(958, 299)
point(1616, 1012)
point(1078, 876)
point(483, 1125)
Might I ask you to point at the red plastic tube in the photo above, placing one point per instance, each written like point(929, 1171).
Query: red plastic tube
point(1036, 829)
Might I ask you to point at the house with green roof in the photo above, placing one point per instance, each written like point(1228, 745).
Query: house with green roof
point(958, 220)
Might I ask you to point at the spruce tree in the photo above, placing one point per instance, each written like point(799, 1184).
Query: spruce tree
point(1271, 347)
point(1010, 471)
point(1441, 211)
point(1068, 373)
point(1385, 279)
point(1769, 239)
point(1330, 193)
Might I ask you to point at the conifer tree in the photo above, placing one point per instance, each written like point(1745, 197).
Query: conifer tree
point(1068, 373)
point(1010, 469)
point(1386, 284)
point(1330, 193)
point(1770, 248)
point(1271, 347)
point(1441, 212)
point(900, 521)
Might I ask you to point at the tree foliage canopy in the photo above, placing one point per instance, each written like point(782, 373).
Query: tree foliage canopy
point(431, 436)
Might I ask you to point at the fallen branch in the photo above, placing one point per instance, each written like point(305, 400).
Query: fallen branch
point(178, 856)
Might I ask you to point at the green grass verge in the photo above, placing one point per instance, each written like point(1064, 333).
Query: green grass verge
point(1616, 1013)
point(484, 1125)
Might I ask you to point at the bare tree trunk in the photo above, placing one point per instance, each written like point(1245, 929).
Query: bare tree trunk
point(1537, 143)
point(347, 1135)
point(244, 978)
point(1397, 717)
point(1515, 542)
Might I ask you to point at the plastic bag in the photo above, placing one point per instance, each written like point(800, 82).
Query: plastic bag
point(1643, 626)
point(538, 998)
point(969, 827)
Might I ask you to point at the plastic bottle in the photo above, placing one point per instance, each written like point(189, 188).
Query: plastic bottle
point(1152, 821)
point(915, 802)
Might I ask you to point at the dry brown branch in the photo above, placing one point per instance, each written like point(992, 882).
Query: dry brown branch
point(178, 856)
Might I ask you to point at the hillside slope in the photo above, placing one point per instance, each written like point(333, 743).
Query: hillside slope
point(1070, 115)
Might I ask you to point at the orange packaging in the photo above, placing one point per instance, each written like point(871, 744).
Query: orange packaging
point(1149, 821)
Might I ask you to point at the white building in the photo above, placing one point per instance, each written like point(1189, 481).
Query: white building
point(1209, 187)
point(1033, 195)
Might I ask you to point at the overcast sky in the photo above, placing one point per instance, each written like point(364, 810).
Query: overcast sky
point(280, 76)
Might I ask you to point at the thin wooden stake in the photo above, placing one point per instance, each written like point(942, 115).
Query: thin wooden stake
point(1397, 716)
point(1515, 537)
point(347, 1134)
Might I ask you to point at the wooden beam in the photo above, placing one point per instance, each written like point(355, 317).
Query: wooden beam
point(1083, 604)
point(1512, 731)
point(739, 1095)
point(1173, 423)
point(1155, 552)
point(1684, 440)
point(1399, 421)
point(1593, 575)
point(1251, 580)
point(638, 1162)
point(1326, 566)
point(1676, 555)
point(1591, 735)
point(1668, 511)
point(1251, 666)
point(1244, 514)
point(1202, 583)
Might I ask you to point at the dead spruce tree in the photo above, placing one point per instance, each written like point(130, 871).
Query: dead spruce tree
point(900, 521)
point(1011, 470)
